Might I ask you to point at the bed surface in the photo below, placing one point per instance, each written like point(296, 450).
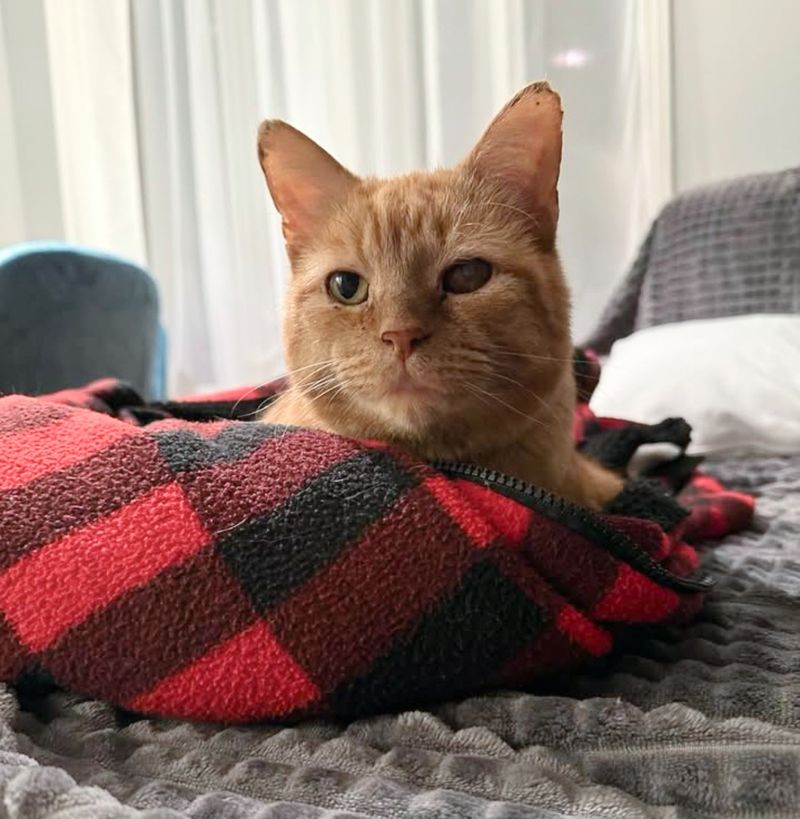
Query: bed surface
point(699, 722)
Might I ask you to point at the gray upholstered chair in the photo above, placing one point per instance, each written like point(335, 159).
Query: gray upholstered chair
point(69, 315)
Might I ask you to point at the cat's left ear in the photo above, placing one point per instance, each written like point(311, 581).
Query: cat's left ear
point(304, 180)
point(521, 151)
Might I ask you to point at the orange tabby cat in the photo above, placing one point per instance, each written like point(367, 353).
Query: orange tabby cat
point(430, 310)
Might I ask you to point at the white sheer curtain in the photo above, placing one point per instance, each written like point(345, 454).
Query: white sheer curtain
point(68, 145)
point(153, 107)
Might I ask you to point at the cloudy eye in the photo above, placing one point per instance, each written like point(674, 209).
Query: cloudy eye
point(466, 277)
point(348, 287)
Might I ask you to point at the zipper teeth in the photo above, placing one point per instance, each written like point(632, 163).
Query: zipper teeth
point(561, 509)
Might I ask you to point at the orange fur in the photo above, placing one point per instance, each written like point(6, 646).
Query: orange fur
point(490, 381)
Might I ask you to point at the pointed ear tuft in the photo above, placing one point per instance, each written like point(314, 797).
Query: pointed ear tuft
point(521, 150)
point(304, 180)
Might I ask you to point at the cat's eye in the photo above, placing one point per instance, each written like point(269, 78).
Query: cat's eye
point(466, 277)
point(348, 287)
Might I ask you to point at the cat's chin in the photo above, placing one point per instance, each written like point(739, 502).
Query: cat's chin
point(411, 393)
point(408, 410)
point(406, 392)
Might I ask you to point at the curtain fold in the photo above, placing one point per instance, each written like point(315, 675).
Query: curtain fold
point(12, 214)
point(154, 108)
point(31, 196)
point(88, 48)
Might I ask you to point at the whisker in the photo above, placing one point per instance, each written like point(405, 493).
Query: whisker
point(244, 396)
point(528, 391)
point(315, 366)
point(479, 391)
point(336, 387)
point(530, 356)
point(315, 382)
point(314, 369)
point(258, 410)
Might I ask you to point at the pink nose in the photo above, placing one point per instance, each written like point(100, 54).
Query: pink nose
point(404, 341)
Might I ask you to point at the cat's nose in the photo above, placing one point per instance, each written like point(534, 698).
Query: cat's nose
point(404, 341)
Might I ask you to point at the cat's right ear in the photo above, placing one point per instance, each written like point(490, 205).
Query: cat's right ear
point(304, 180)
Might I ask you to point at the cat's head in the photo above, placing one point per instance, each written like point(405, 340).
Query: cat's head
point(428, 309)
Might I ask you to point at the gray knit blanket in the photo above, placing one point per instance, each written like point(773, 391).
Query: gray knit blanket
point(726, 249)
point(696, 722)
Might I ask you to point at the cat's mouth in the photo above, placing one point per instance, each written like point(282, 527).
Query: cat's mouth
point(404, 390)
point(406, 384)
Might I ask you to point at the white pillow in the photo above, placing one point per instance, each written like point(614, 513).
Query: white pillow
point(735, 380)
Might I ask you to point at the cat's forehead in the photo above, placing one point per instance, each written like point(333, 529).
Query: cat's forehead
point(421, 222)
point(409, 220)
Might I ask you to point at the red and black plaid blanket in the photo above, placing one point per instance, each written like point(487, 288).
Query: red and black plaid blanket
point(175, 560)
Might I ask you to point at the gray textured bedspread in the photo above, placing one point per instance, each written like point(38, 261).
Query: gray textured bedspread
point(699, 722)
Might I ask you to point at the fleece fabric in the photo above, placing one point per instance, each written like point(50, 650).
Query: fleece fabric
point(174, 560)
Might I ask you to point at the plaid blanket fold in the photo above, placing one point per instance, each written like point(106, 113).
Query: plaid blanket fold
point(175, 560)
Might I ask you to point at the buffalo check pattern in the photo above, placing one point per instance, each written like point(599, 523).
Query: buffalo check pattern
point(176, 561)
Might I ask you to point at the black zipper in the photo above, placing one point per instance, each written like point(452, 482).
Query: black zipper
point(581, 520)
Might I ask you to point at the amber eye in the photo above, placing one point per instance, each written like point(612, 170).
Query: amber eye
point(466, 277)
point(348, 287)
